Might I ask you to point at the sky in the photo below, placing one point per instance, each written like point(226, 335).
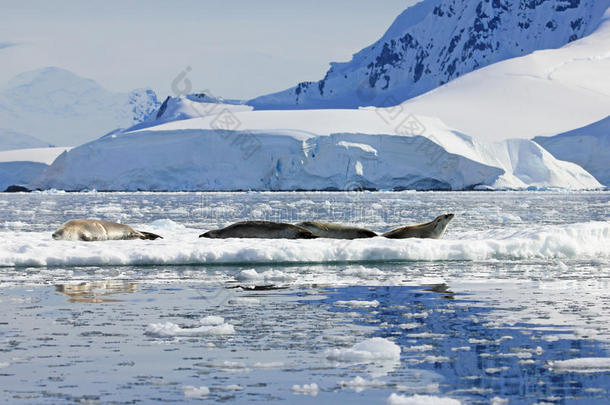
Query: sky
point(233, 48)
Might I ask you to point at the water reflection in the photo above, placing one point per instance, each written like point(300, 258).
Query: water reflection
point(459, 340)
point(96, 291)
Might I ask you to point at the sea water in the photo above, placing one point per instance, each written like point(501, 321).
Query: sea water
point(511, 306)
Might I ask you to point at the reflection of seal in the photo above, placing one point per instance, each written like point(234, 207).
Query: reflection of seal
point(260, 229)
point(434, 229)
point(95, 291)
point(336, 231)
point(94, 229)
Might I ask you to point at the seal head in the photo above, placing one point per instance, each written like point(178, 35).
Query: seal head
point(433, 229)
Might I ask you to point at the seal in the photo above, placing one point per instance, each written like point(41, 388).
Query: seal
point(260, 229)
point(336, 231)
point(433, 229)
point(95, 230)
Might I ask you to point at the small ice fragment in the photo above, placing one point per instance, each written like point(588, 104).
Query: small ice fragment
point(396, 399)
point(498, 401)
point(366, 351)
point(306, 389)
point(195, 392)
point(170, 329)
point(357, 304)
point(359, 384)
point(245, 301)
point(212, 320)
point(270, 364)
point(419, 348)
point(495, 370)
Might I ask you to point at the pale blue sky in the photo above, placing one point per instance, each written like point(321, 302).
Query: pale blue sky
point(236, 48)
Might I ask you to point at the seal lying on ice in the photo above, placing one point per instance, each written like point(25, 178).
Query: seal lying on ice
point(96, 230)
point(433, 229)
point(336, 231)
point(260, 229)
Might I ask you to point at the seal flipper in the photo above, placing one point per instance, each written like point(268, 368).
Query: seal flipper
point(149, 236)
point(307, 235)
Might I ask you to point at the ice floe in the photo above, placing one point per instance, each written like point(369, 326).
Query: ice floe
point(581, 365)
point(181, 246)
point(210, 325)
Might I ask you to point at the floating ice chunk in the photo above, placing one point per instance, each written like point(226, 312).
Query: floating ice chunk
point(366, 351)
point(170, 329)
point(436, 359)
point(232, 387)
point(212, 320)
point(495, 370)
point(249, 275)
point(426, 335)
point(499, 401)
point(359, 384)
point(581, 365)
point(195, 392)
point(306, 389)
point(227, 365)
point(363, 272)
point(416, 315)
point(269, 275)
point(522, 354)
point(396, 399)
point(411, 325)
point(271, 364)
point(420, 348)
point(357, 304)
point(245, 301)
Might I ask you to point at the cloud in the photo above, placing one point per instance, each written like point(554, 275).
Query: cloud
point(8, 44)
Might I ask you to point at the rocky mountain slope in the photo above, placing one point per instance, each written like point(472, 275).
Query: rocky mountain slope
point(436, 41)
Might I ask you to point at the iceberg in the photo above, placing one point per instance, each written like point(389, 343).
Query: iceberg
point(368, 148)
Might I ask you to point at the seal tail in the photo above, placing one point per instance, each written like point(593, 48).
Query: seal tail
point(149, 236)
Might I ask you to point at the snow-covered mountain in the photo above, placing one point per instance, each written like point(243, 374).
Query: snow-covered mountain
point(14, 140)
point(306, 150)
point(187, 107)
point(544, 93)
point(436, 41)
point(588, 147)
point(61, 108)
